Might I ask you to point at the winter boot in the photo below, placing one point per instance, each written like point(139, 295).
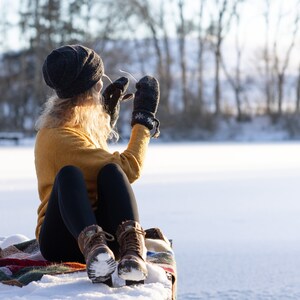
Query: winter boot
point(132, 267)
point(100, 260)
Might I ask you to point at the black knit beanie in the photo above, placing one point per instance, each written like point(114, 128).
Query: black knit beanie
point(71, 70)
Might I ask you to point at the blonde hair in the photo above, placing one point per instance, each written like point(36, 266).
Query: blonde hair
point(84, 112)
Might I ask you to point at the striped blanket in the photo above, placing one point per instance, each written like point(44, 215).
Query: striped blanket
point(23, 263)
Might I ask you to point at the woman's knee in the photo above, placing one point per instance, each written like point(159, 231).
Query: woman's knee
point(69, 175)
point(110, 169)
point(68, 170)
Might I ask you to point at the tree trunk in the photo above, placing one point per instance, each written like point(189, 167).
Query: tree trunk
point(217, 81)
point(268, 81)
point(167, 72)
point(280, 86)
point(298, 92)
point(219, 37)
point(182, 35)
point(200, 61)
point(238, 88)
point(280, 71)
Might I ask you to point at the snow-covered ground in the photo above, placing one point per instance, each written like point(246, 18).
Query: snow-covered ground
point(232, 210)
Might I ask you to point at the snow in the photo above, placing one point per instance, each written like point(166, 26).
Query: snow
point(231, 209)
point(107, 265)
point(11, 240)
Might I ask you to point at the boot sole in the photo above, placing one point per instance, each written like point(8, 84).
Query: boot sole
point(130, 282)
point(132, 272)
point(101, 266)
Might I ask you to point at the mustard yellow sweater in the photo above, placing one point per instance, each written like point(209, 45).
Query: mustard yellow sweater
point(59, 147)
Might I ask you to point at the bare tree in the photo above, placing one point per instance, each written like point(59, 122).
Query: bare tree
point(181, 39)
point(3, 39)
point(142, 13)
point(201, 41)
point(4, 26)
point(40, 23)
point(280, 69)
point(166, 69)
point(266, 58)
point(220, 26)
point(298, 92)
point(235, 80)
point(45, 24)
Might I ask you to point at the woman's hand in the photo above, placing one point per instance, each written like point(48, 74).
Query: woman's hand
point(112, 96)
point(145, 105)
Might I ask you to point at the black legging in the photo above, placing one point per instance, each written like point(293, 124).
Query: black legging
point(69, 211)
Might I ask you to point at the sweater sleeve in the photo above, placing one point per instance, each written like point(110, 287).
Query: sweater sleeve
point(82, 153)
point(132, 159)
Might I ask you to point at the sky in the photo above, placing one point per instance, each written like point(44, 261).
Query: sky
point(251, 31)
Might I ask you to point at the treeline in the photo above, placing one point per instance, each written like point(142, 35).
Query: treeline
point(205, 68)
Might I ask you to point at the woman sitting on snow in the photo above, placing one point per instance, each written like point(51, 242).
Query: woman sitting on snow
point(88, 211)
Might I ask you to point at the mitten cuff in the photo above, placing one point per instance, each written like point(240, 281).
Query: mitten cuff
point(147, 119)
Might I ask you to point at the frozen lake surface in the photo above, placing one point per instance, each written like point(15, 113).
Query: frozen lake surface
point(232, 210)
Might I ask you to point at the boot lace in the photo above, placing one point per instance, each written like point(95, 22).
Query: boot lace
point(99, 238)
point(130, 241)
point(103, 236)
